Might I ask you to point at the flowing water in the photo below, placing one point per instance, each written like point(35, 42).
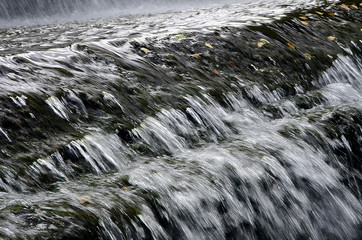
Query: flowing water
point(180, 119)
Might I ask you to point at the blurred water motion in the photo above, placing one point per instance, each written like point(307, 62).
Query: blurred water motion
point(212, 121)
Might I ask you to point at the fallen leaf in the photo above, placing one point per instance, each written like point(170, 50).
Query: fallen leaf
point(332, 38)
point(304, 23)
point(41, 161)
point(233, 64)
point(85, 200)
point(262, 42)
point(124, 188)
point(354, 6)
point(291, 46)
point(344, 6)
point(208, 45)
point(303, 18)
point(308, 56)
point(196, 56)
point(262, 70)
point(179, 36)
point(320, 13)
point(331, 14)
point(145, 50)
point(317, 39)
point(215, 71)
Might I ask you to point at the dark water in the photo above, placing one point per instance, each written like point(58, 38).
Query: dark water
point(237, 121)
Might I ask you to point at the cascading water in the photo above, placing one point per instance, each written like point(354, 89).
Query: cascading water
point(239, 121)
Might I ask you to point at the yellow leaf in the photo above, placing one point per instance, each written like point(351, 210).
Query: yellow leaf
point(124, 188)
point(320, 13)
point(344, 6)
point(145, 50)
point(354, 6)
point(215, 71)
point(303, 18)
point(179, 36)
point(331, 38)
point(41, 161)
point(262, 42)
point(304, 23)
point(308, 56)
point(331, 14)
point(196, 56)
point(291, 46)
point(85, 200)
point(208, 45)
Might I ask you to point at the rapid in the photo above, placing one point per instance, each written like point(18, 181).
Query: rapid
point(180, 119)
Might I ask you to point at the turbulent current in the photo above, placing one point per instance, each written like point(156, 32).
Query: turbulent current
point(180, 119)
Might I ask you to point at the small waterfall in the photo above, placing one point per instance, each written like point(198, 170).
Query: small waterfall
point(250, 130)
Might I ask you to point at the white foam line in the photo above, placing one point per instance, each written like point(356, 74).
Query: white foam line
point(7, 137)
